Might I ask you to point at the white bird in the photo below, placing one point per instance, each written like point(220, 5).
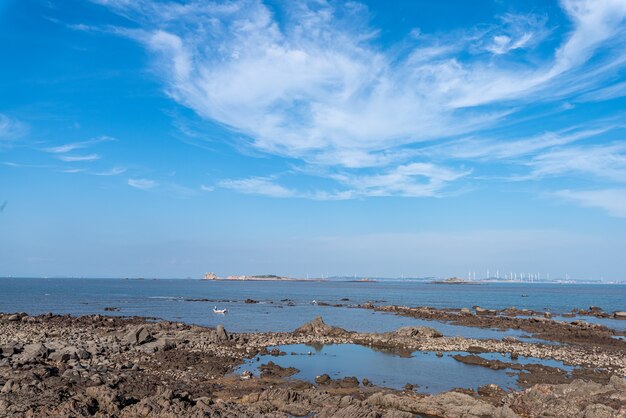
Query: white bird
point(219, 311)
point(314, 302)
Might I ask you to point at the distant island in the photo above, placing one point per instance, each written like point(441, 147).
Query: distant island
point(256, 277)
point(453, 280)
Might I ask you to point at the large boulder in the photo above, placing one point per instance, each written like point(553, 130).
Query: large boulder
point(33, 353)
point(138, 335)
point(319, 328)
point(221, 333)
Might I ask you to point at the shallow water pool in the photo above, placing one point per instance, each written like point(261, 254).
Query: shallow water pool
point(427, 372)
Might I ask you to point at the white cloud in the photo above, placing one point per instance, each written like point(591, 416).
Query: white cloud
point(143, 184)
point(411, 180)
point(611, 200)
point(115, 171)
point(516, 32)
point(78, 158)
point(602, 161)
point(11, 128)
point(506, 148)
point(205, 188)
point(258, 186)
point(315, 86)
point(316, 89)
point(65, 148)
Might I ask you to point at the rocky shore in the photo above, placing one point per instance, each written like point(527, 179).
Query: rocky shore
point(540, 325)
point(58, 365)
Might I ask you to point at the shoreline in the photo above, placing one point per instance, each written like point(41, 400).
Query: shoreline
point(131, 366)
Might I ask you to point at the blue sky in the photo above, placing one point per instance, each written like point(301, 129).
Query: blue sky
point(170, 138)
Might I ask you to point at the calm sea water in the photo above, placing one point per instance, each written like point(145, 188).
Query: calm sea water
point(166, 299)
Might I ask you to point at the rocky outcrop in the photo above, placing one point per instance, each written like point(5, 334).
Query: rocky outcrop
point(318, 327)
point(577, 399)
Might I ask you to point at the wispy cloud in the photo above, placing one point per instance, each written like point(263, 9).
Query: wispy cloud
point(315, 88)
point(602, 161)
point(611, 200)
point(11, 128)
point(115, 171)
point(411, 180)
point(205, 188)
point(73, 146)
point(143, 184)
point(78, 158)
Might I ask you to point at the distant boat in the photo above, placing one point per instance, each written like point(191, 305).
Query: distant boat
point(219, 311)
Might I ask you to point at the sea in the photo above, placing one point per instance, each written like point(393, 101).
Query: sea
point(285, 305)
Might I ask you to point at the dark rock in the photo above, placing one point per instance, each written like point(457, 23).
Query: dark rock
point(250, 301)
point(318, 327)
point(323, 379)
point(349, 382)
point(274, 370)
point(112, 309)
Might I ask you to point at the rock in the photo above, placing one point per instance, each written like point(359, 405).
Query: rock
point(9, 350)
point(349, 382)
point(250, 301)
point(323, 379)
point(318, 327)
point(138, 335)
point(221, 333)
point(483, 311)
point(8, 387)
point(490, 390)
point(465, 311)
point(418, 332)
point(449, 404)
point(33, 352)
point(619, 315)
point(112, 309)
point(510, 339)
point(366, 382)
point(274, 370)
point(13, 318)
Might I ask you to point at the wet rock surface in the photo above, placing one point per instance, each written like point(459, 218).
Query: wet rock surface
point(58, 365)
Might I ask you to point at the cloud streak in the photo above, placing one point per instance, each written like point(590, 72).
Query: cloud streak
point(142, 184)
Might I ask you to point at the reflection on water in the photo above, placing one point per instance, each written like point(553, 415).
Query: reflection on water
point(427, 372)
